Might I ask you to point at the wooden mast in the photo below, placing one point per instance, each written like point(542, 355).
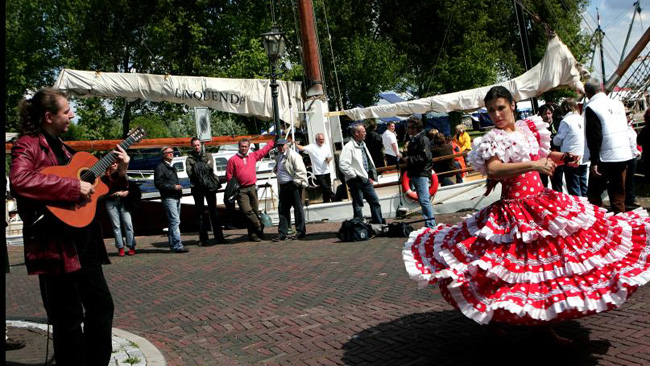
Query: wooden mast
point(310, 51)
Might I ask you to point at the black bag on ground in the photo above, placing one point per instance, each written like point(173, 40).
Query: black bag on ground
point(231, 192)
point(399, 230)
point(354, 230)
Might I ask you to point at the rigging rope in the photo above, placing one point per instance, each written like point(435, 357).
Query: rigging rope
point(336, 74)
point(442, 46)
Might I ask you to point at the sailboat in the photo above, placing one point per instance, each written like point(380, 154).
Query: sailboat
point(558, 68)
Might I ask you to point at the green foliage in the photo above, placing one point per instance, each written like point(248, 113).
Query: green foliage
point(226, 124)
point(421, 46)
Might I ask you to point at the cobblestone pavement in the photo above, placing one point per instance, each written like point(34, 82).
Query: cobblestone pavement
point(319, 301)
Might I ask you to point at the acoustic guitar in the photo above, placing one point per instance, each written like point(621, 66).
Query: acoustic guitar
point(85, 167)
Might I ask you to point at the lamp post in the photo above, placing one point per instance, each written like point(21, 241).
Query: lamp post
point(274, 45)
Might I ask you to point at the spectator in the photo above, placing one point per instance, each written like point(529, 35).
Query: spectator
point(643, 139)
point(320, 155)
point(389, 141)
point(359, 170)
point(609, 148)
point(630, 192)
point(431, 134)
point(374, 145)
point(459, 161)
point(443, 148)
point(418, 167)
point(292, 179)
point(242, 167)
point(205, 184)
point(556, 178)
point(117, 208)
point(546, 112)
point(462, 139)
point(166, 181)
point(570, 138)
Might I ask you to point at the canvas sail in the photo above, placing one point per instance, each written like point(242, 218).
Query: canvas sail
point(557, 68)
point(247, 97)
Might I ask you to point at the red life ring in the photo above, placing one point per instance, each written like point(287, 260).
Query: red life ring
point(406, 186)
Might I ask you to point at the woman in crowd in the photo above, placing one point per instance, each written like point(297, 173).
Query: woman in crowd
point(536, 256)
point(118, 210)
point(462, 139)
point(441, 147)
point(570, 138)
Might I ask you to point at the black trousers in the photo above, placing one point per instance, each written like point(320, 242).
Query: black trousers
point(291, 196)
point(613, 179)
point(71, 299)
point(199, 206)
point(324, 182)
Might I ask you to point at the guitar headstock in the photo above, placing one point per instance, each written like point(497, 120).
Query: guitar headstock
point(137, 134)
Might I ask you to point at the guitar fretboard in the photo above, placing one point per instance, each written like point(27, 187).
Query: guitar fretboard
point(100, 167)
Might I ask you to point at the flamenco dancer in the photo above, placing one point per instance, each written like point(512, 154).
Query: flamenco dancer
point(535, 257)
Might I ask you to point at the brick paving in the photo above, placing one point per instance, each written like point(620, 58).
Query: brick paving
point(320, 302)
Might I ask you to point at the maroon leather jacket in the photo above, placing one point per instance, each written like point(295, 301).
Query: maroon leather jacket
point(49, 246)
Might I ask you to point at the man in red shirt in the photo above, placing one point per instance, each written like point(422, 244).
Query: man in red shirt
point(242, 167)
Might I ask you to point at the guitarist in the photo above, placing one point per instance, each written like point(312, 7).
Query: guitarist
point(68, 260)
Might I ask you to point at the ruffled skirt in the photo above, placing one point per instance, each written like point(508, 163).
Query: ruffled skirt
point(530, 261)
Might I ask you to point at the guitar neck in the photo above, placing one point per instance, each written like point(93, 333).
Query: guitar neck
point(100, 167)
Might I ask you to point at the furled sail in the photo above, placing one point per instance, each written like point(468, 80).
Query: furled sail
point(557, 68)
point(248, 97)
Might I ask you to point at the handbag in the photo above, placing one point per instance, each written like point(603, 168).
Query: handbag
point(231, 192)
point(206, 177)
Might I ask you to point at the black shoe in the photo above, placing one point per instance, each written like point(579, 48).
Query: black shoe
point(279, 238)
point(632, 206)
point(14, 344)
point(298, 237)
point(182, 250)
point(255, 238)
point(221, 241)
point(202, 243)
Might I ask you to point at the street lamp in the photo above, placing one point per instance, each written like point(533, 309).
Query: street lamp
point(274, 45)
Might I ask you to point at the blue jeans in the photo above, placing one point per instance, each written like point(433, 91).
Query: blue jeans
point(360, 190)
point(117, 212)
point(421, 185)
point(576, 180)
point(173, 210)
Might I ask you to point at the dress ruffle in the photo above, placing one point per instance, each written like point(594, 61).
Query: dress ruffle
point(539, 259)
point(531, 135)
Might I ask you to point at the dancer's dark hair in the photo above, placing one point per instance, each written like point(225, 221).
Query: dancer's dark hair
point(497, 92)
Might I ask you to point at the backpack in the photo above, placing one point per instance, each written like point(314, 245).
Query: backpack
point(398, 230)
point(354, 230)
point(205, 176)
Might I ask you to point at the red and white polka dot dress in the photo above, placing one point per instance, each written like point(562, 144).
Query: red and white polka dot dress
point(535, 256)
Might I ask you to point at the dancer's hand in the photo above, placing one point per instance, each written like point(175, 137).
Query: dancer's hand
point(545, 166)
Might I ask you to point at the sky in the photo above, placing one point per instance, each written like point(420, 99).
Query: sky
point(615, 18)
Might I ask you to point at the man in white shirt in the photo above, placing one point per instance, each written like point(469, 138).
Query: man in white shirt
point(570, 138)
point(359, 170)
point(320, 156)
point(391, 150)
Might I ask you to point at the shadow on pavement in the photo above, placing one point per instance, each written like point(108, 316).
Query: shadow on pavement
point(448, 338)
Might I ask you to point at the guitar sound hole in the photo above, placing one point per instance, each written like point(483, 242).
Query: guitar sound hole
point(87, 176)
